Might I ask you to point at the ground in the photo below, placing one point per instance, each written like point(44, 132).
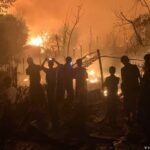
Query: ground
point(37, 134)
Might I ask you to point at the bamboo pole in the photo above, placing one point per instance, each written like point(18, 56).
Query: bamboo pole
point(101, 69)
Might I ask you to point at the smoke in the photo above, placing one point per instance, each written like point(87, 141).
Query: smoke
point(48, 14)
point(97, 16)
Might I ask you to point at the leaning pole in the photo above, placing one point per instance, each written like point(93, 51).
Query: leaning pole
point(101, 68)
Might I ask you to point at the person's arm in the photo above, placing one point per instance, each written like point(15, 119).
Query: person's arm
point(44, 62)
point(56, 61)
point(105, 83)
point(139, 75)
point(118, 80)
point(42, 66)
point(86, 75)
point(122, 78)
point(28, 71)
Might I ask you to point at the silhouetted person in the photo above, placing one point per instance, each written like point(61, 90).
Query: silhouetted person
point(51, 74)
point(68, 79)
point(7, 108)
point(60, 89)
point(111, 84)
point(130, 87)
point(144, 102)
point(10, 90)
point(50, 79)
point(36, 92)
point(80, 76)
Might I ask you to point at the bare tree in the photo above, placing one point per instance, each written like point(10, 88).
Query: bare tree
point(139, 24)
point(145, 4)
point(123, 17)
point(77, 18)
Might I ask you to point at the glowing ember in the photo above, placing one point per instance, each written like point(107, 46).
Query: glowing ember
point(105, 92)
point(36, 41)
point(26, 80)
point(93, 80)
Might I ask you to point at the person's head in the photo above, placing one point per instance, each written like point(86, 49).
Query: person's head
point(68, 60)
point(147, 62)
point(30, 60)
point(125, 60)
point(50, 63)
point(7, 81)
point(112, 70)
point(147, 58)
point(79, 62)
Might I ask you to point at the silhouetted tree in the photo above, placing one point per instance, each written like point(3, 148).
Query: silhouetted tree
point(5, 4)
point(138, 27)
point(13, 36)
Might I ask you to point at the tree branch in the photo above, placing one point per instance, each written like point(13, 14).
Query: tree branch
point(73, 28)
point(145, 4)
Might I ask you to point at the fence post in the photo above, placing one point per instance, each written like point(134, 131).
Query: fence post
point(101, 68)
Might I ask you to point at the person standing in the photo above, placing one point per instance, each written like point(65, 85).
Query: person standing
point(68, 79)
point(60, 89)
point(144, 100)
point(80, 76)
point(131, 79)
point(111, 84)
point(36, 91)
point(51, 79)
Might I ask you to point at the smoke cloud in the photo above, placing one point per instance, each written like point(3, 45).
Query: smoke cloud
point(50, 14)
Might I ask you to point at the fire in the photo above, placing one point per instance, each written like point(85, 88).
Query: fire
point(92, 73)
point(26, 80)
point(36, 41)
point(92, 77)
point(105, 92)
point(93, 80)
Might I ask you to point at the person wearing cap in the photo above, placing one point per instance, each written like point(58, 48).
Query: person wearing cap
point(131, 79)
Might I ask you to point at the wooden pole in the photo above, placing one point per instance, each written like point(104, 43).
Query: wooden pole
point(81, 50)
point(23, 67)
point(101, 69)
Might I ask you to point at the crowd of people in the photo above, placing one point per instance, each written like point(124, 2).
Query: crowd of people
point(59, 90)
point(59, 85)
point(135, 91)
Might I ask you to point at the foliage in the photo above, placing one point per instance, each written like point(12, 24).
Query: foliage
point(14, 33)
point(5, 4)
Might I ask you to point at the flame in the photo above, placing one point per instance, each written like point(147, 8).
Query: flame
point(93, 80)
point(92, 73)
point(105, 92)
point(92, 77)
point(26, 80)
point(36, 41)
